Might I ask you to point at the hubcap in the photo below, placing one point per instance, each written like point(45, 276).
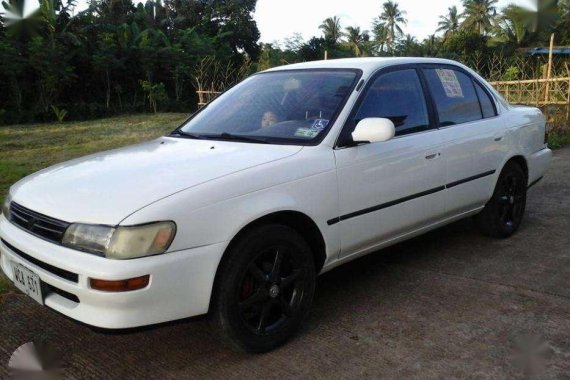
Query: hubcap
point(274, 291)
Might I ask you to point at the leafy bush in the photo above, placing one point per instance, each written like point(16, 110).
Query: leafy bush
point(60, 114)
point(512, 73)
point(558, 139)
point(155, 92)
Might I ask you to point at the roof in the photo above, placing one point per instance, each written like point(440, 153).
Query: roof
point(365, 64)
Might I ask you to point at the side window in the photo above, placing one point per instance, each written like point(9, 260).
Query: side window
point(486, 102)
point(397, 96)
point(454, 96)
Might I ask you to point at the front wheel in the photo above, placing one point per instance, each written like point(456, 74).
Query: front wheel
point(503, 214)
point(265, 288)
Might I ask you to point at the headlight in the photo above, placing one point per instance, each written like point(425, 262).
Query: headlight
point(6, 207)
point(121, 242)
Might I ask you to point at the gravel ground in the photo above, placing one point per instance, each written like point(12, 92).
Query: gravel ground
point(449, 304)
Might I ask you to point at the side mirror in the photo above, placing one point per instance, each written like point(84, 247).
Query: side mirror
point(373, 130)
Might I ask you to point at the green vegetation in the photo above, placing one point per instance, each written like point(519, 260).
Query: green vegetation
point(558, 139)
point(116, 57)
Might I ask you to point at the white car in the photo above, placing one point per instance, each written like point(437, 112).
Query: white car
point(287, 175)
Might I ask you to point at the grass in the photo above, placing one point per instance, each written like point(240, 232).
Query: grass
point(25, 149)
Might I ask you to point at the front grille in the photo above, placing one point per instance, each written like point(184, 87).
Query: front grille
point(40, 225)
point(67, 275)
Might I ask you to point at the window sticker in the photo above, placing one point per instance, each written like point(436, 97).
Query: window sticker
point(307, 132)
point(320, 124)
point(450, 83)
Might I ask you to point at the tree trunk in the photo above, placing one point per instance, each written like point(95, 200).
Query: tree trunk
point(108, 98)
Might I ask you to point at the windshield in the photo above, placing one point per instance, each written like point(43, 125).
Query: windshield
point(277, 107)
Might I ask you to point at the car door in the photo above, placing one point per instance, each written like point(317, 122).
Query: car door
point(472, 133)
point(391, 187)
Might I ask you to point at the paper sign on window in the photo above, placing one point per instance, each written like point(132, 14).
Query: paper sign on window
point(450, 83)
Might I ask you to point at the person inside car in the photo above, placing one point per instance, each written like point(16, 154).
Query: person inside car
point(268, 119)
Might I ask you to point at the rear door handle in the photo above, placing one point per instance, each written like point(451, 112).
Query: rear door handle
point(498, 137)
point(432, 156)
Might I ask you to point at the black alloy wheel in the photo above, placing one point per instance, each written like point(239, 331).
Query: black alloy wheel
point(271, 290)
point(511, 200)
point(504, 213)
point(265, 287)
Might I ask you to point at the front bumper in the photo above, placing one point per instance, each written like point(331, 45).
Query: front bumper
point(180, 282)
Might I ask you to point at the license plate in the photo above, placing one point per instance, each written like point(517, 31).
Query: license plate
point(28, 282)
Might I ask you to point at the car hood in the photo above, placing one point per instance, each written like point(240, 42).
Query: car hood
point(105, 188)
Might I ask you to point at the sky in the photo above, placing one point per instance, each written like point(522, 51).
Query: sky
point(279, 19)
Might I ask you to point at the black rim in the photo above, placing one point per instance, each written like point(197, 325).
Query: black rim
point(271, 290)
point(511, 200)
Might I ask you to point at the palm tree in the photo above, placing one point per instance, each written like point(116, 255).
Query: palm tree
point(513, 24)
point(564, 6)
point(357, 40)
point(380, 33)
point(478, 15)
point(431, 45)
point(391, 17)
point(409, 46)
point(331, 29)
point(564, 23)
point(449, 24)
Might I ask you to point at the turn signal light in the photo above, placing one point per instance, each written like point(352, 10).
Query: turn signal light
point(121, 285)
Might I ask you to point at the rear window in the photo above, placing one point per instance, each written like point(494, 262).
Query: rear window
point(454, 96)
point(486, 102)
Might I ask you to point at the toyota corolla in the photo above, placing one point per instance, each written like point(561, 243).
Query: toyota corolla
point(289, 174)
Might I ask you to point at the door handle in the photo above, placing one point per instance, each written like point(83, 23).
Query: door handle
point(432, 156)
point(498, 137)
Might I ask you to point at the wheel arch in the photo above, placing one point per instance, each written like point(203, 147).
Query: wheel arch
point(521, 161)
point(300, 222)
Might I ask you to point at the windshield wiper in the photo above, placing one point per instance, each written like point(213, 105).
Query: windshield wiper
point(229, 136)
point(180, 133)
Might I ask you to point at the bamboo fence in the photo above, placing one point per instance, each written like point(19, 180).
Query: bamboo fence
point(535, 92)
point(206, 96)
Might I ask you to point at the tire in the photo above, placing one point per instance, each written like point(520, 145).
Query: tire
point(264, 288)
point(504, 212)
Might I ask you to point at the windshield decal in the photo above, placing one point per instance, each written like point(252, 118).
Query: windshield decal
point(320, 124)
point(307, 132)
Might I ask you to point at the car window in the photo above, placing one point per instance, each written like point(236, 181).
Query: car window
point(454, 96)
point(486, 102)
point(397, 96)
point(295, 106)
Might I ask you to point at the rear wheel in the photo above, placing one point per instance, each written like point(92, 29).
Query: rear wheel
point(503, 214)
point(265, 288)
